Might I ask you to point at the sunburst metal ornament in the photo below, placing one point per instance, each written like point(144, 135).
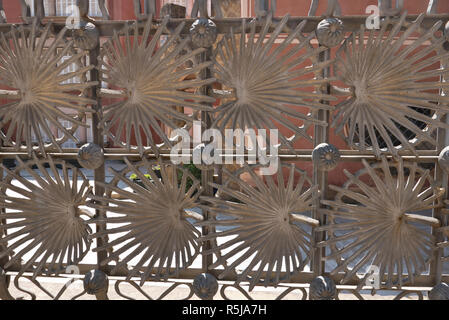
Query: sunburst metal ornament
point(376, 219)
point(266, 225)
point(149, 76)
point(389, 79)
point(269, 80)
point(33, 66)
point(155, 212)
point(46, 218)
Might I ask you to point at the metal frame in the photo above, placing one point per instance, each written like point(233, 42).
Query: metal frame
point(321, 135)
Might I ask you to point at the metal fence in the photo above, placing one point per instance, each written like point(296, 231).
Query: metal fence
point(381, 89)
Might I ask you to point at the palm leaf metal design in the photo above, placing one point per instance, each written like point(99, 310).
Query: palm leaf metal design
point(150, 80)
point(267, 223)
point(46, 218)
point(388, 81)
point(376, 219)
point(155, 213)
point(268, 79)
point(32, 64)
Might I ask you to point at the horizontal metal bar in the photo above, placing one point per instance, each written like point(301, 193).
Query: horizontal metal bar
point(351, 23)
point(8, 151)
point(109, 155)
point(222, 282)
point(191, 273)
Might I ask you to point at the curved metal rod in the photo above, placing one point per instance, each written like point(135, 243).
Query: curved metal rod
point(2, 13)
point(173, 287)
point(199, 6)
point(432, 8)
point(265, 7)
point(25, 11)
point(291, 289)
point(313, 8)
point(16, 284)
point(406, 293)
point(236, 286)
point(4, 284)
point(83, 6)
point(117, 289)
point(104, 9)
point(217, 9)
point(333, 8)
point(386, 7)
point(149, 9)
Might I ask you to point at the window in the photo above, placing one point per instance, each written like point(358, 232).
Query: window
point(64, 8)
point(70, 68)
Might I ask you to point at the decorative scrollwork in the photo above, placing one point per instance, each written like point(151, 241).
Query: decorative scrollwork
point(404, 294)
point(265, 79)
point(376, 220)
point(388, 83)
point(285, 291)
point(156, 220)
point(268, 223)
point(31, 64)
point(150, 79)
point(147, 296)
point(47, 216)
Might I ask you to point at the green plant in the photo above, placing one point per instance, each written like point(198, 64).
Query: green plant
point(135, 177)
point(189, 182)
point(194, 171)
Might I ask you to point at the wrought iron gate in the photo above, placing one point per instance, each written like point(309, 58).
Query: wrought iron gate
point(384, 91)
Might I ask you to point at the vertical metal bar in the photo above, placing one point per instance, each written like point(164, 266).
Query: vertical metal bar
point(313, 8)
point(25, 11)
point(321, 135)
point(207, 176)
point(104, 10)
point(83, 6)
point(432, 8)
point(99, 174)
point(39, 10)
point(441, 179)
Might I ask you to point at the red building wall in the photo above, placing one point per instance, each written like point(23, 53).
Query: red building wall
point(349, 7)
point(123, 10)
